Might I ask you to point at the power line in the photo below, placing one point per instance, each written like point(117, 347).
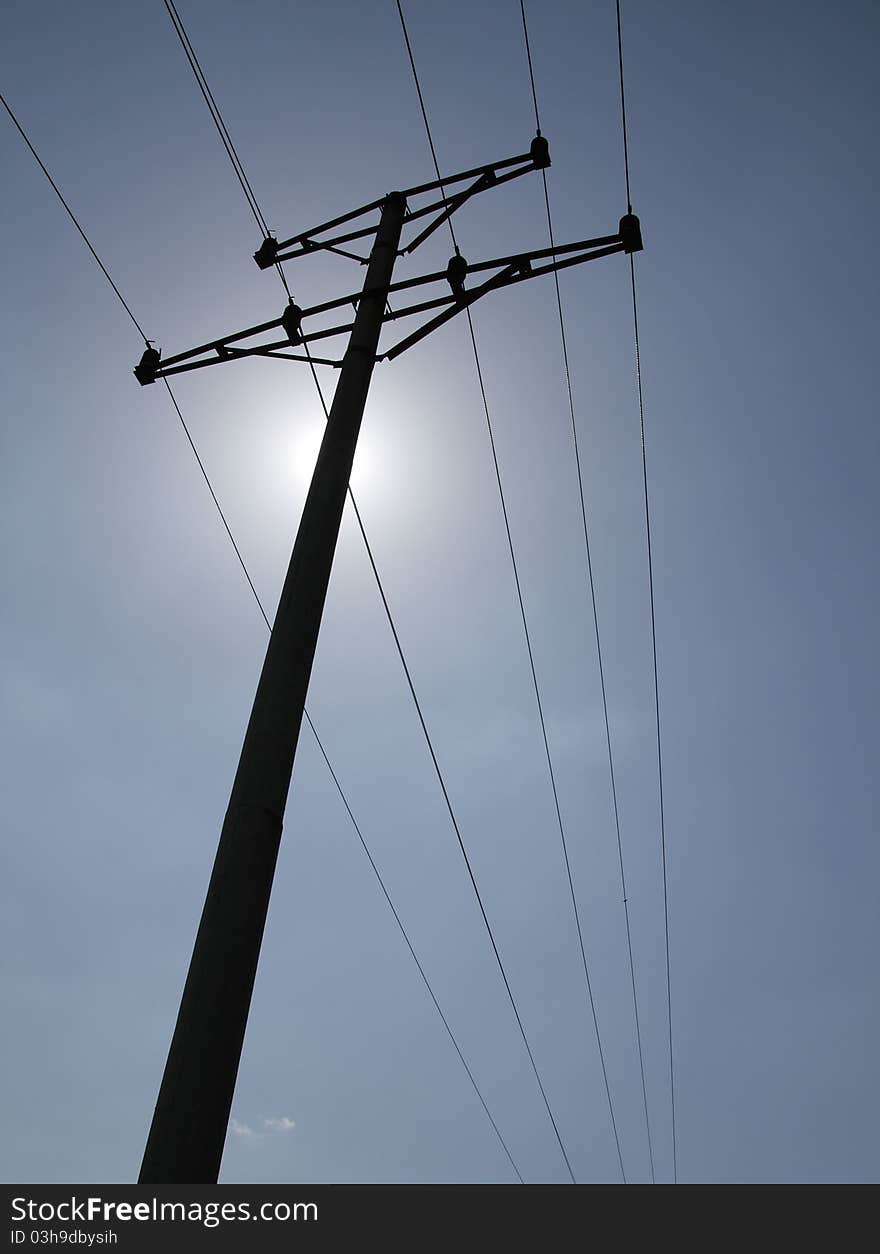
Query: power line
point(592, 587)
point(443, 787)
point(73, 219)
point(549, 759)
point(415, 958)
point(412, 63)
point(522, 9)
point(225, 137)
point(220, 125)
point(632, 271)
point(228, 529)
point(312, 727)
point(656, 711)
point(528, 646)
point(623, 108)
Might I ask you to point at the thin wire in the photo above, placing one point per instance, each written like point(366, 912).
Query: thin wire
point(592, 587)
point(632, 272)
point(72, 217)
point(530, 654)
point(522, 9)
point(412, 63)
point(222, 130)
point(623, 108)
point(656, 711)
point(216, 502)
point(446, 797)
point(604, 707)
point(216, 117)
point(416, 960)
point(559, 821)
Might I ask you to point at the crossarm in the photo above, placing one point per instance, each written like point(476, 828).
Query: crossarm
point(506, 270)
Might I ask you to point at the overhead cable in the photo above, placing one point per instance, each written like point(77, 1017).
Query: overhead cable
point(632, 272)
point(540, 709)
point(592, 587)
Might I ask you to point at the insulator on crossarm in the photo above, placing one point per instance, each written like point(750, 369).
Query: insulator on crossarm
point(266, 253)
point(290, 321)
point(630, 231)
point(540, 152)
point(145, 370)
point(456, 272)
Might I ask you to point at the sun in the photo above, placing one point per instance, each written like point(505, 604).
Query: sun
point(302, 453)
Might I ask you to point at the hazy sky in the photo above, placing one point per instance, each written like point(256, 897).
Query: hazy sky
point(131, 643)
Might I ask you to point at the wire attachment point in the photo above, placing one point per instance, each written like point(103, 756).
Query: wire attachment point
point(539, 151)
point(631, 233)
point(145, 370)
point(456, 272)
point(266, 253)
point(291, 321)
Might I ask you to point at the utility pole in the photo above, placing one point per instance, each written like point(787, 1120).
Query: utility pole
point(189, 1125)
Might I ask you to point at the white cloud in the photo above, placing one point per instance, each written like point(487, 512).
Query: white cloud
point(276, 1126)
point(240, 1129)
point(279, 1125)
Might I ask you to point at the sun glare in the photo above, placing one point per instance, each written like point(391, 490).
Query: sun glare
point(303, 453)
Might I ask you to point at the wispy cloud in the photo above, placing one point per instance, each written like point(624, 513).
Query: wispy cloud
point(274, 1126)
point(279, 1125)
point(240, 1129)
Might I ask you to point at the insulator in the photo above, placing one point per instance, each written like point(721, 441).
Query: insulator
point(290, 320)
point(456, 272)
point(630, 231)
point(266, 253)
point(539, 151)
point(145, 370)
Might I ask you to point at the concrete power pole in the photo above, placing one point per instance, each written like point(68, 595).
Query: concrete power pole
point(188, 1131)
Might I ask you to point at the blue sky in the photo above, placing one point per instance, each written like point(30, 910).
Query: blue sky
point(131, 644)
